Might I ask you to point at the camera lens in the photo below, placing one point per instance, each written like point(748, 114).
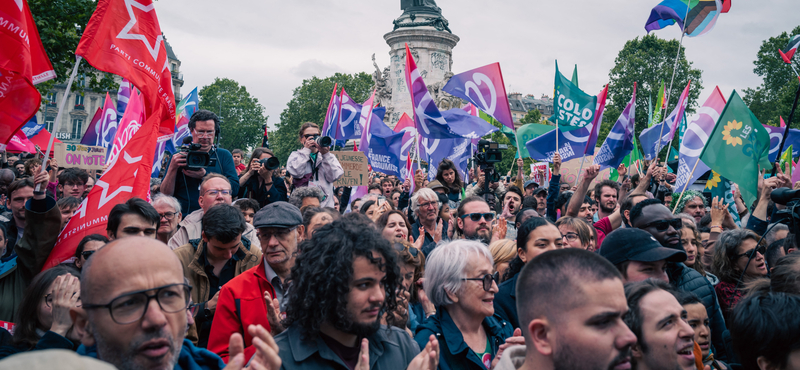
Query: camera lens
point(272, 163)
point(324, 141)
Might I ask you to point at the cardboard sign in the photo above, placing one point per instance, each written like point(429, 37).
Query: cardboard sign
point(535, 167)
point(356, 169)
point(79, 156)
point(569, 171)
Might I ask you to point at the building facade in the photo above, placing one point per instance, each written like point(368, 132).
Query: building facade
point(82, 104)
point(520, 105)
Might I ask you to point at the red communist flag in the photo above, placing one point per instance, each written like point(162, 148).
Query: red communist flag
point(23, 63)
point(123, 37)
point(118, 184)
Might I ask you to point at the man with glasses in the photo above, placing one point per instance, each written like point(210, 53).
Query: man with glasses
point(255, 296)
point(425, 205)
point(135, 217)
point(655, 218)
point(169, 211)
point(183, 183)
point(215, 189)
point(474, 220)
point(211, 262)
point(134, 312)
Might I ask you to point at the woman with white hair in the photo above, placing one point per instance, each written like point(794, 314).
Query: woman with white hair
point(459, 282)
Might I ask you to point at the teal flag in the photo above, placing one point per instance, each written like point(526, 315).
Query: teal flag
point(649, 111)
point(572, 108)
point(575, 76)
point(723, 188)
point(526, 132)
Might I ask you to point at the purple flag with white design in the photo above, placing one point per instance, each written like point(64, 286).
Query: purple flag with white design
point(332, 114)
point(102, 133)
point(348, 118)
point(364, 121)
point(428, 119)
point(571, 144)
point(619, 141)
point(123, 95)
point(456, 150)
point(651, 144)
point(698, 129)
point(484, 88)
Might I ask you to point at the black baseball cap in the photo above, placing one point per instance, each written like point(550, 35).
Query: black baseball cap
point(629, 244)
point(539, 190)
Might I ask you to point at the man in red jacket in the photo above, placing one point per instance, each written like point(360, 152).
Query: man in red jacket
point(242, 300)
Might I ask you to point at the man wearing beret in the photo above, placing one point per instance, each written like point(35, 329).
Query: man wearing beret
point(254, 296)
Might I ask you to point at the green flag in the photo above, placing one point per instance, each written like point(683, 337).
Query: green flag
point(659, 105)
point(786, 157)
point(649, 111)
point(722, 188)
point(526, 132)
point(575, 76)
point(572, 108)
point(737, 147)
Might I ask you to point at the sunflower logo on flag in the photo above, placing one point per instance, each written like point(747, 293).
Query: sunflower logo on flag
point(726, 133)
point(713, 180)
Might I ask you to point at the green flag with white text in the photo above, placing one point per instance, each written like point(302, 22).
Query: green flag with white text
point(572, 108)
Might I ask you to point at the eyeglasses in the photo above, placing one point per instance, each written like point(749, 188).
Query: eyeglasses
point(663, 225)
point(487, 279)
point(193, 308)
point(280, 234)
point(214, 192)
point(477, 216)
point(399, 247)
point(167, 215)
point(435, 204)
point(570, 236)
point(131, 307)
point(87, 254)
point(204, 133)
point(751, 253)
point(308, 136)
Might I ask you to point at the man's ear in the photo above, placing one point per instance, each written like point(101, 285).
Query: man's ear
point(111, 235)
point(764, 364)
point(81, 326)
point(539, 330)
point(460, 223)
point(301, 233)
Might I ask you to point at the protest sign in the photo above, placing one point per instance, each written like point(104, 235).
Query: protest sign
point(569, 171)
point(535, 172)
point(86, 157)
point(355, 166)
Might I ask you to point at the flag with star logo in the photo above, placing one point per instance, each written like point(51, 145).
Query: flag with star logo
point(738, 147)
point(722, 188)
point(124, 37)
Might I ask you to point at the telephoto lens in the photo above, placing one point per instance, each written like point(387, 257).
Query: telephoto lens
point(324, 141)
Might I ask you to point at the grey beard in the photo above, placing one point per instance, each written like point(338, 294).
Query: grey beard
point(124, 358)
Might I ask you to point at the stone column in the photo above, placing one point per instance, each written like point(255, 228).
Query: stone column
point(432, 51)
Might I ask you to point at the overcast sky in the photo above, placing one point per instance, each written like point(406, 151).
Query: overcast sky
point(270, 46)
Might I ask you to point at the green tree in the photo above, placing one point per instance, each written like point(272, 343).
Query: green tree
point(310, 104)
point(647, 61)
point(533, 116)
point(60, 24)
point(774, 97)
point(242, 116)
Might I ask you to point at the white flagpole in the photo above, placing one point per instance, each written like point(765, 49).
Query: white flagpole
point(577, 178)
point(57, 123)
point(671, 80)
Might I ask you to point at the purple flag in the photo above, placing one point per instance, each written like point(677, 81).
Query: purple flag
point(123, 95)
point(333, 112)
point(571, 144)
point(698, 129)
point(428, 119)
point(651, 145)
point(348, 118)
point(364, 121)
point(598, 120)
point(619, 141)
point(484, 88)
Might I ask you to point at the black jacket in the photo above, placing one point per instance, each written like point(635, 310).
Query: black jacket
point(505, 301)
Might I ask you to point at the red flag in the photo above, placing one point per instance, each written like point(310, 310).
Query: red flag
point(130, 123)
point(783, 124)
point(123, 37)
point(23, 63)
point(118, 184)
point(20, 143)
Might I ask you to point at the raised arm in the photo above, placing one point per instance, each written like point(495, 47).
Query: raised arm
point(583, 187)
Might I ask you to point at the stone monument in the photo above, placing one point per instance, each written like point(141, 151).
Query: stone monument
point(431, 42)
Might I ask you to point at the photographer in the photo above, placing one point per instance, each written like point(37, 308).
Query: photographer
point(261, 183)
point(314, 165)
point(183, 183)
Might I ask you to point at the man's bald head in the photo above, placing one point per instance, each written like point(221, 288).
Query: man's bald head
point(6, 178)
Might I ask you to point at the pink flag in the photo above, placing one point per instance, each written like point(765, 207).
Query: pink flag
point(598, 120)
point(20, 143)
point(131, 121)
point(365, 122)
point(783, 124)
point(483, 87)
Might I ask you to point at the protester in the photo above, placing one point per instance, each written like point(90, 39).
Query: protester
point(638, 256)
point(211, 262)
point(316, 217)
point(692, 203)
point(535, 237)
point(215, 189)
point(690, 239)
point(627, 204)
point(307, 196)
point(512, 203)
point(425, 205)
point(19, 169)
point(697, 318)
point(503, 251)
point(183, 183)
point(447, 174)
point(577, 233)
point(72, 182)
point(495, 194)
point(67, 206)
point(346, 277)
point(135, 271)
point(248, 207)
point(460, 284)
point(412, 267)
point(238, 159)
point(44, 321)
point(542, 197)
point(738, 259)
point(764, 331)
point(135, 217)
point(394, 226)
point(611, 218)
point(242, 300)
point(606, 194)
point(87, 246)
point(776, 233)
point(664, 339)
point(32, 167)
point(260, 183)
point(314, 165)
point(523, 215)
point(169, 212)
point(19, 192)
point(561, 295)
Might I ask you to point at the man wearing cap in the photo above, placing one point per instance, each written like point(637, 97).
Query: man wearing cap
point(529, 186)
point(638, 255)
point(242, 302)
point(438, 187)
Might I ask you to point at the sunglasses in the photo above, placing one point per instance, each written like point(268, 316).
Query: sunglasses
point(399, 247)
point(663, 225)
point(86, 254)
point(752, 253)
point(477, 216)
point(487, 280)
point(308, 136)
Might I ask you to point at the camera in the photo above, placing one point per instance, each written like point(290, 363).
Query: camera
point(323, 141)
point(270, 163)
point(488, 154)
point(196, 159)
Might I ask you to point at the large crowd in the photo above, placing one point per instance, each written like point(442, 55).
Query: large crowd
point(244, 264)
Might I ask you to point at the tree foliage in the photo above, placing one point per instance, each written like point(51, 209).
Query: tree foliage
point(774, 97)
point(61, 24)
point(648, 61)
point(241, 114)
point(533, 116)
point(310, 104)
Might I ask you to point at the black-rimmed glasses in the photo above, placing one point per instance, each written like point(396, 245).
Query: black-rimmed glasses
point(167, 215)
point(87, 254)
point(131, 307)
point(663, 225)
point(487, 280)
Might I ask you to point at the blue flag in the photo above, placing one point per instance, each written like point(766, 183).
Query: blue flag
point(32, 127)
point(571, 144)
point(619, 141)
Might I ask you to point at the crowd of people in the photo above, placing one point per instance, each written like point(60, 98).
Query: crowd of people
point(245, 264)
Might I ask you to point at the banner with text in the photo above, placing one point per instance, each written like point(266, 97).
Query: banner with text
point(355, 166)
point(86, 157)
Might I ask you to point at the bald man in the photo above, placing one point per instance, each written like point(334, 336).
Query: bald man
point(134, 311)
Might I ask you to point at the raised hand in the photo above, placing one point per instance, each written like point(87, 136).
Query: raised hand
point(65, 295)
point(363, 356)
point(622, 170)
point(437, 235)
point(428, 358)
point(266, 356)
point(516, 339)
point(273, 314)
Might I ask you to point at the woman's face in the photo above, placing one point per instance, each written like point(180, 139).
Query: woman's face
point(371, 210)
point(542, 239)
point(472, 298)
point(501, 268)
point(689, 245)
point(45, 308)
point(91, 246)
point(395, 228)
point(444, 213)
point(757, 266)
point(571, 239)
point(406, 276)
point(449, 176)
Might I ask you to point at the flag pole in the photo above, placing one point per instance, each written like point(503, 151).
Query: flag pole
point(786, 129)
point(57, 123)
point(579, 171)
point(686, 185)
point(516, 138)
point(669, 92)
